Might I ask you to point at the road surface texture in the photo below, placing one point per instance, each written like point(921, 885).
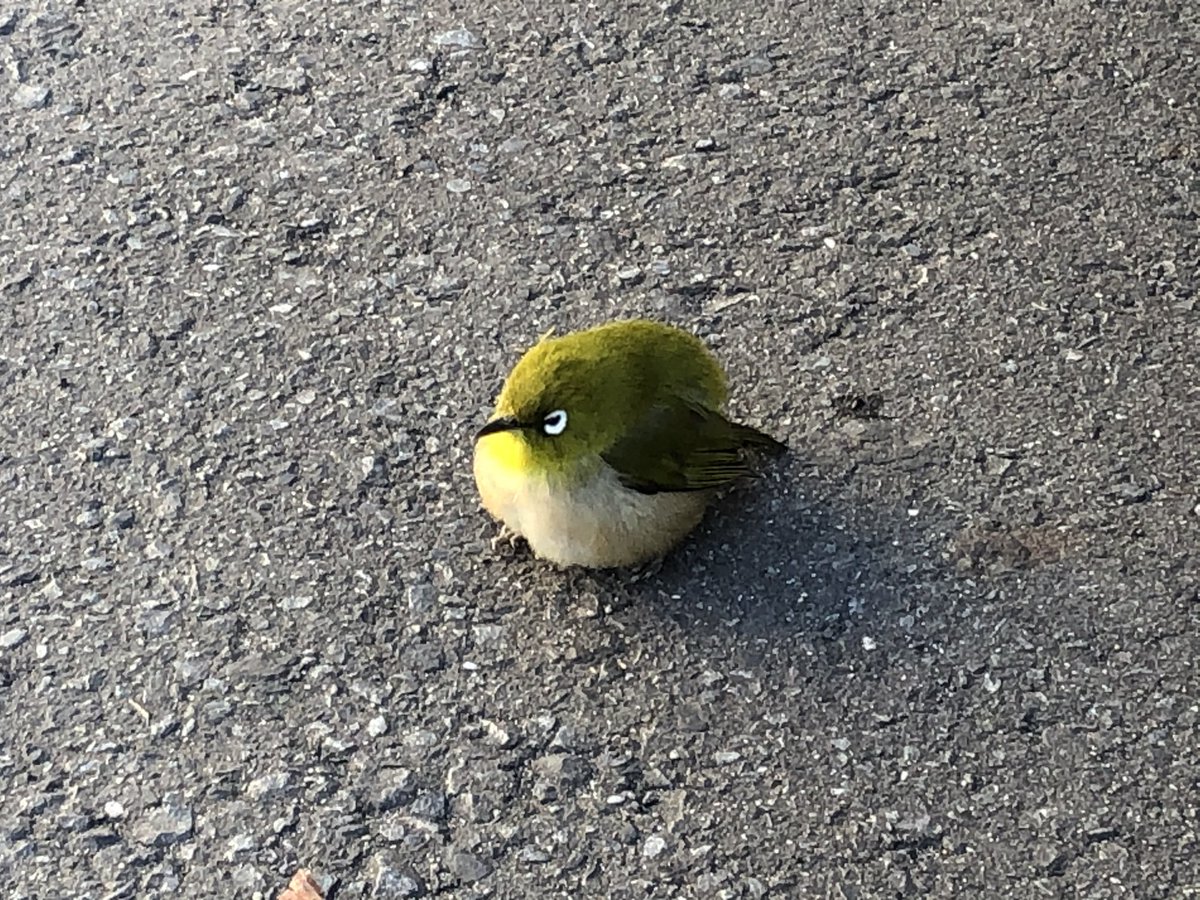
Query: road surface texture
point(264, 266)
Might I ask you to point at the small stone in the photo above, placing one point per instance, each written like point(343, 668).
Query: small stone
point(757, 65)
point(430, 806)
point(566, 738)
point(377, 727)
point(869, 643)
point(467, 867)
point(1053, 860)
point(458, 185)
point(94, 449)
point(89, 681)
point(396, 787)
point(457, 39)
point(337, 748)
point(156, 622)
point(367, 466)
point(709, 882)
point(122, 519)
point(289, 80)
point(998, 465)
point(123, 427)
point(31, 96)
point(562, 767)
point(191, 671)
point(488, 634)
point(178, 324)
point(72, 822)
point(234, 199)
point(216, 711)
point(13, 638)
point(71, 156)
point(653, 846)
point(1131, 492)
point(170, 823)
point(533, 855)
point(391, 882)
point(421, 739)
point(393, 830)
point(168, 504)
point(500, 737)
point(157, 549)
point(655, 779)
point(420, 597)
point(673, 807)
point(239, 844)
point(145, 344)
point(113, 809)
point(268, 785)
point(244, 880)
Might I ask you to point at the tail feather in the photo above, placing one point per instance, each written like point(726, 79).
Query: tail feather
point(748, 436)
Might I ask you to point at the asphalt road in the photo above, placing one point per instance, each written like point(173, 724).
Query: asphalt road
point(263, 267)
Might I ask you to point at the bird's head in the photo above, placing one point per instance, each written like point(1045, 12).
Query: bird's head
point(565, 402)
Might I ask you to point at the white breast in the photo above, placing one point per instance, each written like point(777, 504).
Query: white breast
point(597, 523)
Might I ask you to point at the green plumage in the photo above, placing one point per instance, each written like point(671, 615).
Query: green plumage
point(605, 445)
point(682, 446)
point(644, 397)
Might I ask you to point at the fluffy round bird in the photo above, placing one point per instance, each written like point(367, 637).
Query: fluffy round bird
point(606, 445)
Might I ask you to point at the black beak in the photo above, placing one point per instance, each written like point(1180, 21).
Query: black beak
point(506, 423)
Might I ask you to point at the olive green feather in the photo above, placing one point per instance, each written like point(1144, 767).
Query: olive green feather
point(681, 446)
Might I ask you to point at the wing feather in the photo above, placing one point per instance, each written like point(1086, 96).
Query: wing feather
point(683, 446)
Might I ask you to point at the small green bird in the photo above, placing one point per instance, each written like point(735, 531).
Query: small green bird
point(607, 444)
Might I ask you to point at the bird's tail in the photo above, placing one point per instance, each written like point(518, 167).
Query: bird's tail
point(748, 436)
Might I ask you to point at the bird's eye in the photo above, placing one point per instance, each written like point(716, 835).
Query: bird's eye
point(555, 422)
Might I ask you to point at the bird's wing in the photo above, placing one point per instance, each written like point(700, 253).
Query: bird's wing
point(683, 446)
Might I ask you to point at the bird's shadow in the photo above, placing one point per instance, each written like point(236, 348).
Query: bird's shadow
point(785, 554)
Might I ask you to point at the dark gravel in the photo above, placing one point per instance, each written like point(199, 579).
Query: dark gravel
point(262, 269)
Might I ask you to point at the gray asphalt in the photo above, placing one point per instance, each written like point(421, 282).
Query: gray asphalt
point(264, 267)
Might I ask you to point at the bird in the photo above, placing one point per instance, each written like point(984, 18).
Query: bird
point(607, 444)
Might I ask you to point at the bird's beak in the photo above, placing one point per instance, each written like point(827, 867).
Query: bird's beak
point(504, 423)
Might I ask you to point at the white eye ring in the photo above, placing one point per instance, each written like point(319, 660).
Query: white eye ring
point(555, 423)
